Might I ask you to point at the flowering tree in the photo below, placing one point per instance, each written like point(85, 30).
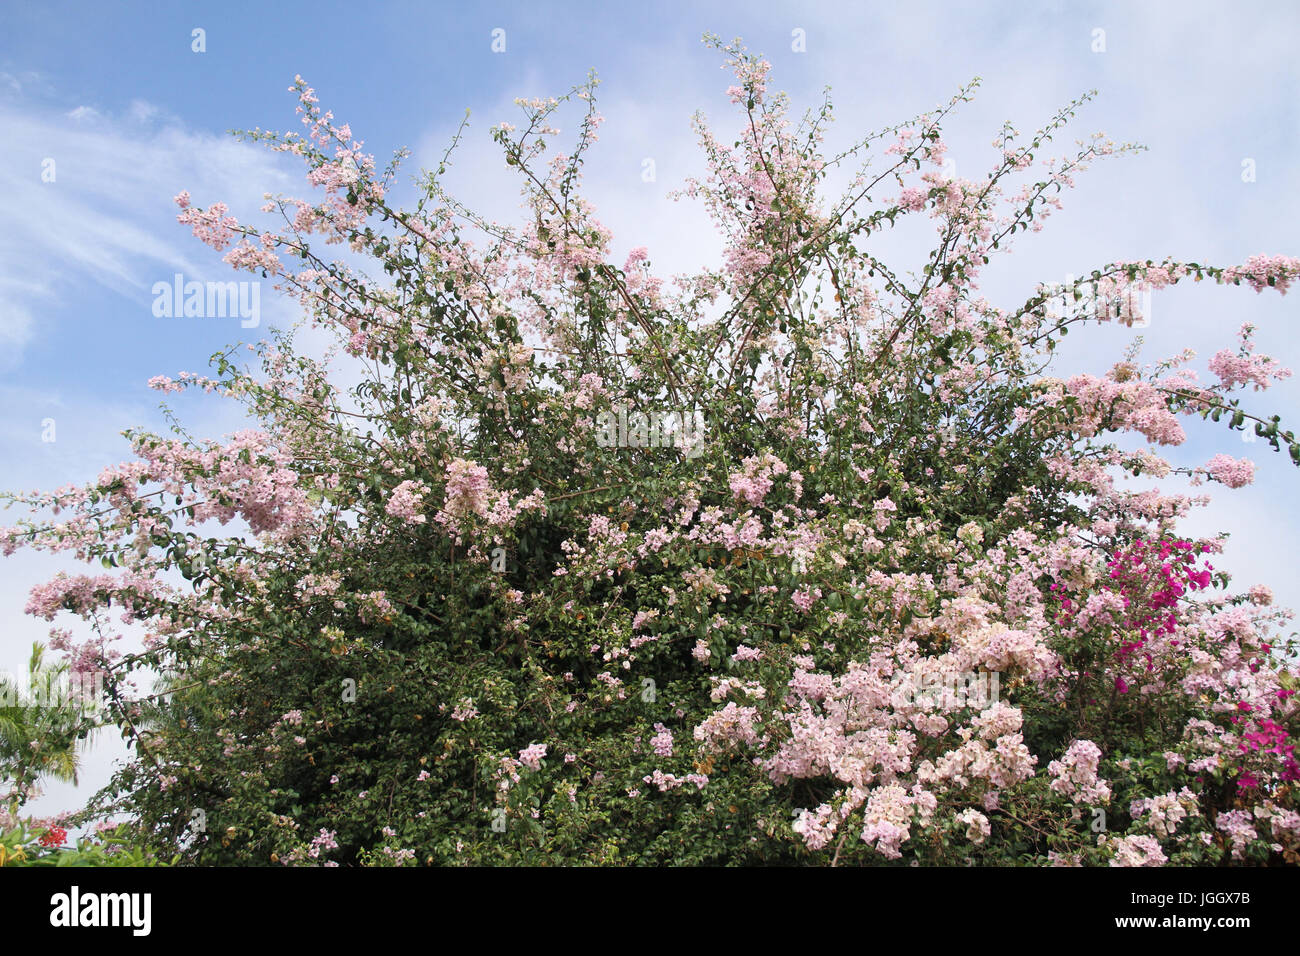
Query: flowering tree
point(499, 601)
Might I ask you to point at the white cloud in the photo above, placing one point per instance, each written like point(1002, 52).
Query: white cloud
point(15, 328)
point(88, 202)
point(141, 111)
point(84, 113)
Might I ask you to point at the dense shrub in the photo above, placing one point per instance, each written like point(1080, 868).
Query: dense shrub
point(501, 600)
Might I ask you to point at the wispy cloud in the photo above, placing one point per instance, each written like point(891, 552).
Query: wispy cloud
point(87, 203)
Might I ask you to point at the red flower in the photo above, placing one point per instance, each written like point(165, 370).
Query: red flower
point(54, 836)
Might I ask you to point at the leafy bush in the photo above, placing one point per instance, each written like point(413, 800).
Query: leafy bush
point(502, 601)
point(23, 845)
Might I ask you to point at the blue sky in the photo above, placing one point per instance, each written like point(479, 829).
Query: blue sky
point(131, 115)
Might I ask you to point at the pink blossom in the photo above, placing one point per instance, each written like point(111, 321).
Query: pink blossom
point(1233, 472)
point(531, 756)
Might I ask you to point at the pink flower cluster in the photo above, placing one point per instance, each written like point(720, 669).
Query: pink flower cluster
point(324, 841)
point(1233, 472)
point(754, 481)
point(662, 742)
point(467, 493)
point(1075, 774)
point(531, 756)
point(1237, 369)
point(1261, 272)
point(212, 226)
point(728, 728)
point(406, 501)
point(1137, 850)
point(1133, 405)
